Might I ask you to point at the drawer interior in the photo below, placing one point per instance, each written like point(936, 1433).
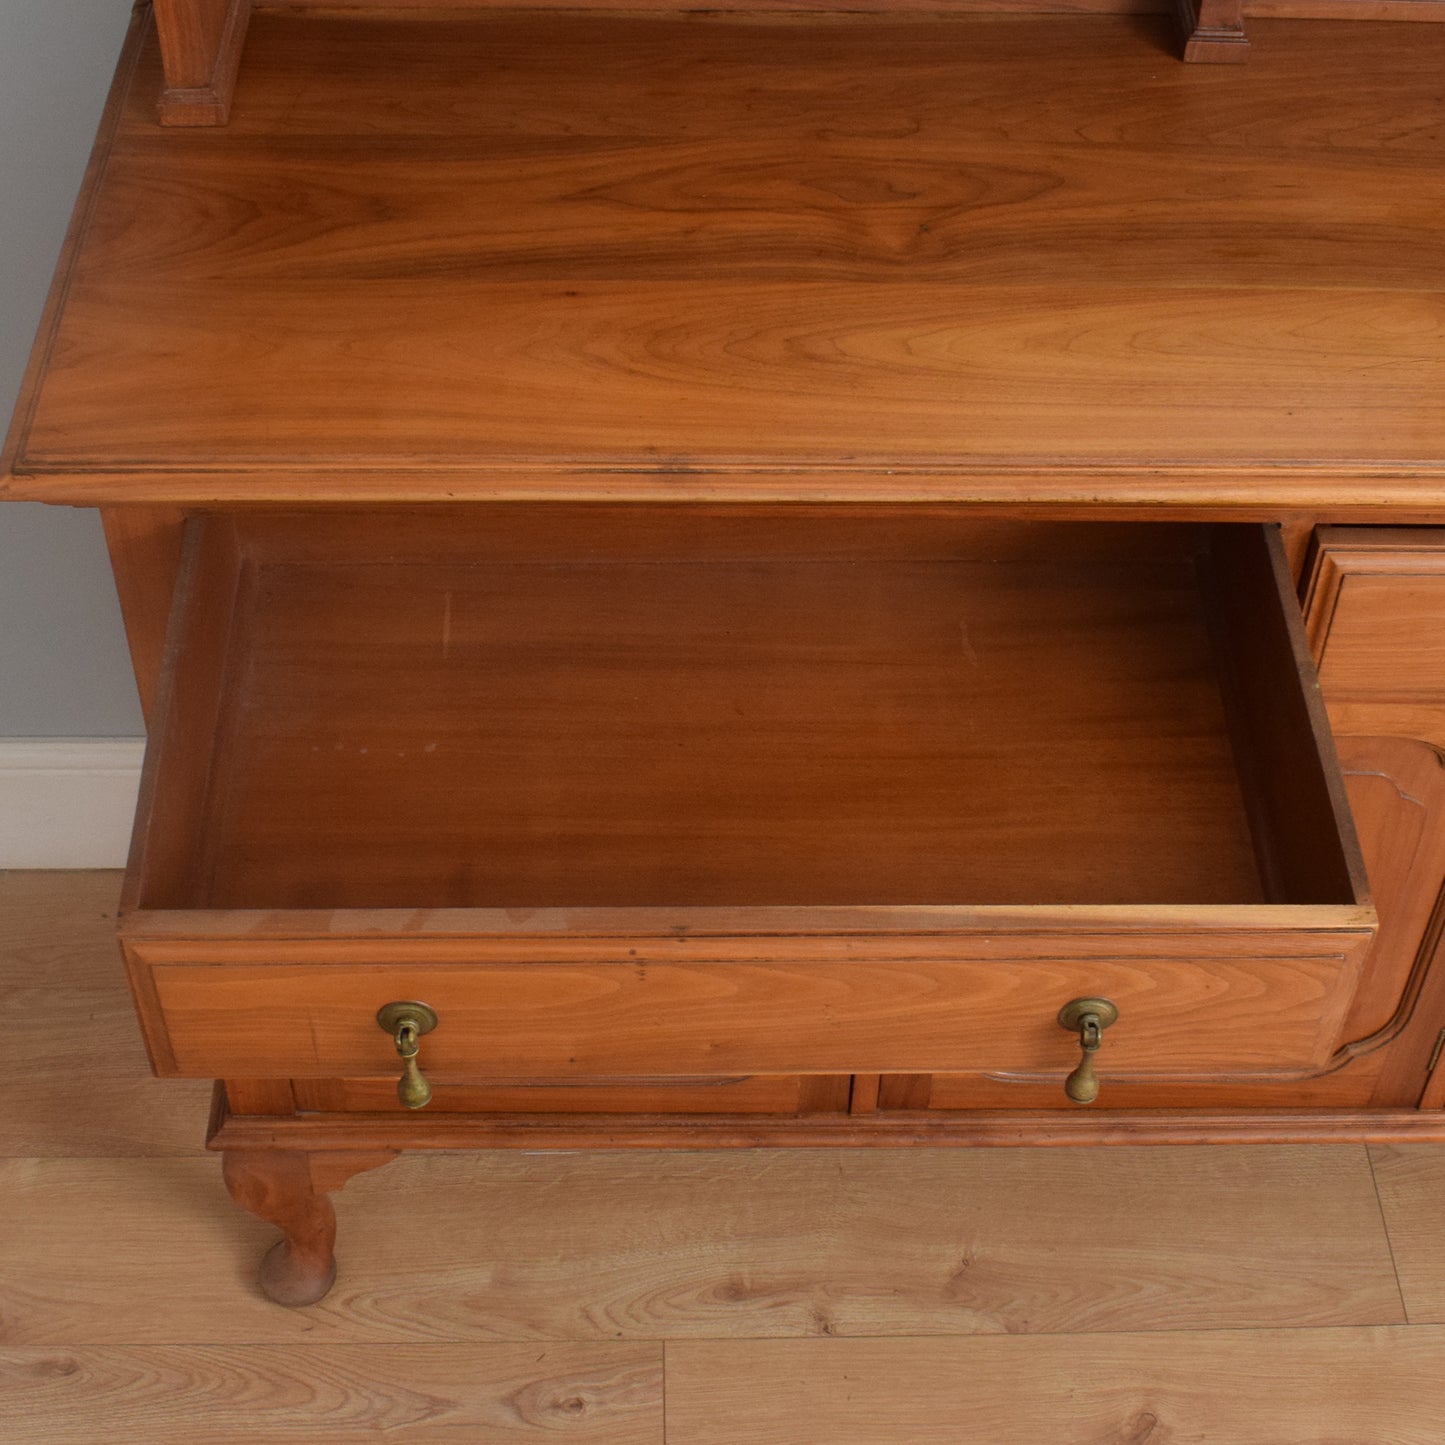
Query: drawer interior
point(535, 707)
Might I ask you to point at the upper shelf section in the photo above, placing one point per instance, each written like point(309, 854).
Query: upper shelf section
point(527, 255)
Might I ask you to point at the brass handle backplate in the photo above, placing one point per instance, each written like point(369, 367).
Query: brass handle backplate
point(406, 1021)
point(1087, 1017)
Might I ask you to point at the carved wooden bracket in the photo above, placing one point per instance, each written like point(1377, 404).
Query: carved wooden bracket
point(201, 42)
point(1213, 30)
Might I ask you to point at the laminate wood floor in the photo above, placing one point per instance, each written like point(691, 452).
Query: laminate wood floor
point(1227, 1295)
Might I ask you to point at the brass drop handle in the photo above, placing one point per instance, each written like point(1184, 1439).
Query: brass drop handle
point(406, 1022)
point(1087, 1017)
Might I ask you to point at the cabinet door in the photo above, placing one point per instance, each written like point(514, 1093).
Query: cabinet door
point(1375, 613)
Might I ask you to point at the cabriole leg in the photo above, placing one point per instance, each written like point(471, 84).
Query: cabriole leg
point(290, 1189)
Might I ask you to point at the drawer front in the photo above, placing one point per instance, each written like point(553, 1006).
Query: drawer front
point(1276, 1003)
point(1375, 612)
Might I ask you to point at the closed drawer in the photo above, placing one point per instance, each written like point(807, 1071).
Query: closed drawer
point(657, 792)
point(1375, 608)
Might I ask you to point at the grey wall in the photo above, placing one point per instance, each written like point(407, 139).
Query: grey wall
point(64, 670)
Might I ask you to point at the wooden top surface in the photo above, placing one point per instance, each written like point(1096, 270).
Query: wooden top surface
point(1032, 260)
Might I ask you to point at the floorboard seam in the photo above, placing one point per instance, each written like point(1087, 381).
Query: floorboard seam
point(1389, 1239)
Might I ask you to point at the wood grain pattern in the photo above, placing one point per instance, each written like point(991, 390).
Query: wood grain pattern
point(98, 1097)
point(1261, 1120)
point(1375, 614)
point(700, 209)
point(76, 1081)
point(259, 1096)
point(1351, 1386)
point(1375, 608)
point(57, 929)
point(1179, 1016)
point(749, 281)
point(593, 1247)
point(1289, 773)
point(568, 89)
point(1397, 796)
point(1411, 1182)
point(584, 729)
point(598, 1394)
point(814, 709)
point(669, 376)
point(1395, 787)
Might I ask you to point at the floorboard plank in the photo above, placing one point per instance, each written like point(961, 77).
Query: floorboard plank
point(1250, 1387)
point(595, 1394)
point(1411, 1181)
point(77, 1082)
point(507, 1246)
point(57, 928)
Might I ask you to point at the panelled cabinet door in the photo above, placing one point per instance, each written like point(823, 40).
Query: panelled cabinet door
point(1375, 613)
point(1397, 794)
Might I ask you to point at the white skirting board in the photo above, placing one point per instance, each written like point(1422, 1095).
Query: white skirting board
point(67, 802)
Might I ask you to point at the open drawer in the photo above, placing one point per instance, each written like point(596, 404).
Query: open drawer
point(655, 792)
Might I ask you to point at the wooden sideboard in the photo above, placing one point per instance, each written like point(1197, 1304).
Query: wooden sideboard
point(752, 565)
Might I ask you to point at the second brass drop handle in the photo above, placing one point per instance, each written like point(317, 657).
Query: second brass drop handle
point(1087, 1017)
point(406, 1021)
